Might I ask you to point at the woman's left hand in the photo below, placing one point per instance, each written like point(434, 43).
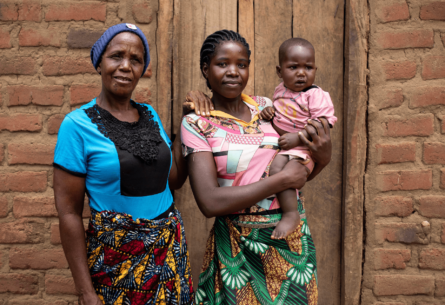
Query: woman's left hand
point(321, 146)
point(199, 102)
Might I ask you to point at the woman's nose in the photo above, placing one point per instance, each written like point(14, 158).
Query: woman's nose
point(233, 71)
point(125, 64)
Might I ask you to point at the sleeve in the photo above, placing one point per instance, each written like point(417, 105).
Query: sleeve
point(161, 127)
point(320, 105)
point(69, 154)
point(193, 140)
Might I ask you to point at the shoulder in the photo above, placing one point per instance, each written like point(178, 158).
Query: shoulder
point(79, 117)
point(262, 101)
point(313, 90)
point(191, 118)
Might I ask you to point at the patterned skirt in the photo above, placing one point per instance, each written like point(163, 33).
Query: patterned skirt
point(243, 265)
point(139, 262)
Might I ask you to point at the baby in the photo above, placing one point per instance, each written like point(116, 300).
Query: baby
point(296, 101)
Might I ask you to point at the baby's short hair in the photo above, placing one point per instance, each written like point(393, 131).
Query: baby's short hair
point(293, 42)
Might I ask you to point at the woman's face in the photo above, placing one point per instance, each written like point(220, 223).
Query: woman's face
point(228, 71)
point(122, 64)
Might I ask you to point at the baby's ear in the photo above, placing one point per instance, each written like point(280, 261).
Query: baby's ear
point(279, 71)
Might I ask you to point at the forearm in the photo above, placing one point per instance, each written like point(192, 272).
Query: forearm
point(218, 201)
point(179, 170)
point(72, 234)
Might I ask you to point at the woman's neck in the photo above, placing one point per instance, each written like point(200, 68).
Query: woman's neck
point(233, 106)
point(113, 103)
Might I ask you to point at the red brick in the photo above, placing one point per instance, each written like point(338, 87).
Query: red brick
point(22, 11)
point(81, 94)
point(23, 65)
point(392, 98)
point(391, 258)
point(433, 11)
point(44, 96)
point(408, 233)
point(442, 36)
point(418, 125)
point(56, 284)
point(442, 239)
point(5, 39)
point(67, 65)
point(427, 96)
point(34, 206)
point(19, 283)
point(36, 302)
point(3, 206)
point(22, 231)
point(76, 11)
point(400, 70)
point(434, 153)
point(31, 153)
point(403, 284)
point(433, 67)
point(442, 178)
point(389, 303)
point(404, 180)
point(35, 37)
point(432, 206)
point(55, 234)
point(394, 206)
point(31, 258)
point(396, 153)
point(54, 123)
point(82, 38)
point(440, 287)
point(2, 153)
point(142, 12)
point(21, 122)
point(143, 96)
point(432, 259)
point(24, 181)
point(392, 12)
point(402, 40)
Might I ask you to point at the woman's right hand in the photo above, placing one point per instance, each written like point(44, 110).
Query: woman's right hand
point(89, 299)
point(295, 174)
point(199, 102)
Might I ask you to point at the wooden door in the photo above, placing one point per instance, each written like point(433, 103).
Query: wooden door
point(266, 24)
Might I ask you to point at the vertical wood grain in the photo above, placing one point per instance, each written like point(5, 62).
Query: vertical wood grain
point(246, 27)
point(194, 20)
point(321, 23)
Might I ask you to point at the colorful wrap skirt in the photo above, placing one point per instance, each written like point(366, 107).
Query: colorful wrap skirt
point(243, 265)
point(139, 262)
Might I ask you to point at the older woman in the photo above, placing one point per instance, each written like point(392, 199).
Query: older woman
point(228, 157)
point(116, 151)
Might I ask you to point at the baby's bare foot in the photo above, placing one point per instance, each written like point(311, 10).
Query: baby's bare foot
point(288, 223)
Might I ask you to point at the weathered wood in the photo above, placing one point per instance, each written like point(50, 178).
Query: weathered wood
point(273, 25)
point(193, 21)
point(246, 27)
point(355, 147)
point(321, 23)
point(164, 36)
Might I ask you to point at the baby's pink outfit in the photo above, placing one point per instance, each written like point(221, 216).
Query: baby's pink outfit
point(294, 109)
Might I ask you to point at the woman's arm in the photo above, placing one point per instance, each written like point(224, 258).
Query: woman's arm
point(179, 171)
point(69, 193)
point(214, 200)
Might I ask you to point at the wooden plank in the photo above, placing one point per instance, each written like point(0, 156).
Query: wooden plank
point(321, 22)
point(246, 27)
point(273, 25)
point(355, 147)
point(164, 36)
point(193, 21)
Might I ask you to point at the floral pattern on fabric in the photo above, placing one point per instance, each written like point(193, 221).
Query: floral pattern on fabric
point(139, 262)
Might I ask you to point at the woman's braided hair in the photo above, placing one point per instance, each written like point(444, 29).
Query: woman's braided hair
point(212, 41)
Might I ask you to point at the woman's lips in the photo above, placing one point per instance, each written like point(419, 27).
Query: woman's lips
point(122, 79)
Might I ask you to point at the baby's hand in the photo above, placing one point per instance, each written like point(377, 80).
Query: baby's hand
point(267, 114)
point(289, 140)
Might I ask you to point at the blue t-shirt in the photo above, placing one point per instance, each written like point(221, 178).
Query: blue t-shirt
point(116, 178)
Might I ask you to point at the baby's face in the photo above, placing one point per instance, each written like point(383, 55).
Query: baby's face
point(297, 69)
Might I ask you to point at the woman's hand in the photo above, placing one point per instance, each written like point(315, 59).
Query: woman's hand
point(321, 146)
point(89, 299)
point(199, 102)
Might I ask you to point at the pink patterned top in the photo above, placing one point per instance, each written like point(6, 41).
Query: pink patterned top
point(243, 151)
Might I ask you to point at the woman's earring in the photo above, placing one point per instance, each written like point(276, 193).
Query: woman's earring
point(99, 71)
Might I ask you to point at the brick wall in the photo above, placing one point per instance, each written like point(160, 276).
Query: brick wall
point(405, 176)
point(45, 71)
